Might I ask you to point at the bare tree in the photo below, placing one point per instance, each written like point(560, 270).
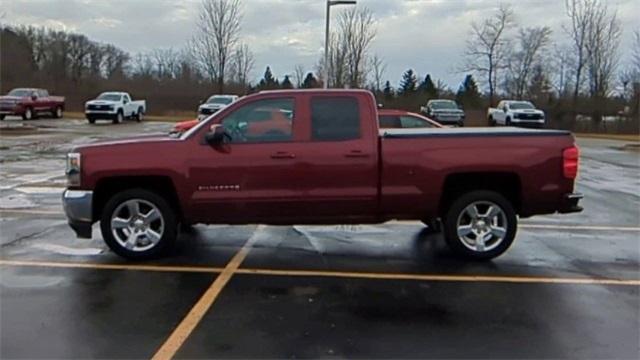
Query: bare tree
point(218, 30)
point(378, 68)
point(561, 66)
point(242, 64)
point(357, 29)
point(602, 43)
point(79, 51)
point(579, 12)
point(142, 65)
point(167, 63)
point(635, 51)
point(298, 73)
point(531, 42)
point(487, 49)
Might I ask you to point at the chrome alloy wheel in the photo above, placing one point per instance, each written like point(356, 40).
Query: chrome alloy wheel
point(482, 226)
point(137, 225)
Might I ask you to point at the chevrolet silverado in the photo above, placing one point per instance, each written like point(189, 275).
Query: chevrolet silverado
point(30, 103)
point(318, 157)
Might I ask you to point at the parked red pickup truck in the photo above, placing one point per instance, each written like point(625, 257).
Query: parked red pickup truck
point(332, 164)
point(29, 103)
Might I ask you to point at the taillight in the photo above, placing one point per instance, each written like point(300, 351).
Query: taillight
point(570, 159)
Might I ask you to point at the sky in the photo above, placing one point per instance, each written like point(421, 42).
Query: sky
point(425, 35)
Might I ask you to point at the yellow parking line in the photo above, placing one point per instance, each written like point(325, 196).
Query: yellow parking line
point(193, 318)
point(322, 273)
point(135, 267)
point(437, 277)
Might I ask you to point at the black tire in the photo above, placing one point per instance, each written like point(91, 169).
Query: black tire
point(91, 120)
point(139, 115)
point(170, 223)
point(457, 211)
point(1, 117)
point(491, 121)
point(460, 124)
point(28, 114)
point(57, 112)
point(507, 122)
point(119, 117)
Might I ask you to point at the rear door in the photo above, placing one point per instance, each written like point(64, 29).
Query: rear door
point(340, 178)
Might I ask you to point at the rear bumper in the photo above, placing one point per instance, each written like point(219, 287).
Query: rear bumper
point(77, 206)
point(570, 203)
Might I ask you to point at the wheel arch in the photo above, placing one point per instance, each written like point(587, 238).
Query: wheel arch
point(508, 184)
point(161, 185)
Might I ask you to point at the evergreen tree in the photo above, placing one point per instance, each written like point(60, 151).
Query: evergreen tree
point(286, 83)
point(429, 88)
point(408, 83)
point(268, 82)
point(468, 95)
point(387, 91)
point(310, 82)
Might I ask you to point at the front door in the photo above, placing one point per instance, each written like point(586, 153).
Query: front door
point(253, 177)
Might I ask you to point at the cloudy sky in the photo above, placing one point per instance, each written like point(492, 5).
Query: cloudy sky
point(426, 35)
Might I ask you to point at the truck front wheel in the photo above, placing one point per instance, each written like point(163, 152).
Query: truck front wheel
point(480, 225)
point(118, 118)
point(138, 224)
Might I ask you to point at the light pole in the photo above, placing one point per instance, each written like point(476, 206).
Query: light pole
point(330, 3)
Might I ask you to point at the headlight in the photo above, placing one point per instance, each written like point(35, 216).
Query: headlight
point(73, 170)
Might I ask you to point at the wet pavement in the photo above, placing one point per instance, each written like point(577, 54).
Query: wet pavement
point(568, 287)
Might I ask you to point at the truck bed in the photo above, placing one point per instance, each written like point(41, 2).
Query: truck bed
point(417, 164)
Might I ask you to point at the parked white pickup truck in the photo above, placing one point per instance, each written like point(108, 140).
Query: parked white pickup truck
point(214, 104)
point(114, 106)
point(516, 113)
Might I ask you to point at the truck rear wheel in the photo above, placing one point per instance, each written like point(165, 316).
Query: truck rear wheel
point(138, 224)
point(139, 115)
point(492, 122)
point(480, 225)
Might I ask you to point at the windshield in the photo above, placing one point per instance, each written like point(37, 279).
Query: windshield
point(521, 105)
point(20, 92)
point(225, 100)
point(444, 105)
point(109, 97)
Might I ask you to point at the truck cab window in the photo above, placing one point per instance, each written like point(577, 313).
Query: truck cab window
point(269, 120)
point(335, 118)
point(413, 122)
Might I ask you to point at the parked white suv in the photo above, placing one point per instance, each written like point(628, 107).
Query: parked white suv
point(115, 106)
point(516, 113)
point(214, 104)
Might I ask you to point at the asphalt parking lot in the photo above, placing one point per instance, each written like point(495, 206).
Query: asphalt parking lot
point(568, 288)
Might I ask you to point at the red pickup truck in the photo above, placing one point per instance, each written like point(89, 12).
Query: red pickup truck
point(325, 162)
point(29, 103)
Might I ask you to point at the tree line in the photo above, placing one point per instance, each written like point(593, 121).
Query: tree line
point(577, 73)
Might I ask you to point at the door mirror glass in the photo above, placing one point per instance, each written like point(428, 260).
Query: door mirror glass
point(217, 135)
point(34, 97)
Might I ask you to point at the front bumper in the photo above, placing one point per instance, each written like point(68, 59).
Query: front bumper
point(570, 203)
point(77, 206)
point(448, 119)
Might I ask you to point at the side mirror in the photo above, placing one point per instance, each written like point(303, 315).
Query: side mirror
point(504, 109)
point(34, 97)
point(217, 135)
